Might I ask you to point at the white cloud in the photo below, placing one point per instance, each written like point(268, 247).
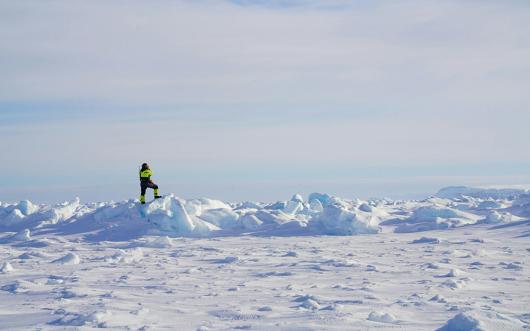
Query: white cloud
point(161, 53)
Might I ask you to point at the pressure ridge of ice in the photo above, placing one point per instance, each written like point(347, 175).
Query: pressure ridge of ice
point(319, 214)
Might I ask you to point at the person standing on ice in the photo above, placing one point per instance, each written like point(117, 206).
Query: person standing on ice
point(145, 182)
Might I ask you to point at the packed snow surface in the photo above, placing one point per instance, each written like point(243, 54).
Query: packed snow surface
point(456, 261)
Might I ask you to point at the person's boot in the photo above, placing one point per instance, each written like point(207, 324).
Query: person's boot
point(142, 199)
point(156, 195)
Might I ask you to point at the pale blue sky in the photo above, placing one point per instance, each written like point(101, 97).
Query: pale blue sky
point(258, 100)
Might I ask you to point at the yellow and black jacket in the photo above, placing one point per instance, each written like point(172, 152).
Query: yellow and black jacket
point(145, 175)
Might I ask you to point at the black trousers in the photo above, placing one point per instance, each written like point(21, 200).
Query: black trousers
point(144, 184)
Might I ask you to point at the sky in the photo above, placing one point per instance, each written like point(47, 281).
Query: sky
point(260, 99)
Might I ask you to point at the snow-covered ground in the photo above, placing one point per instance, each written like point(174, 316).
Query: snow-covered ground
point(457, 261)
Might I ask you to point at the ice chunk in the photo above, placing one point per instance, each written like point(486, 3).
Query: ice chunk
point(70, 258)
point(198, 206)
point(489, 204)
point(381, 317)
point(453, 284)
point(494, 217)
point(6, 267)
point(297, 198)
point(171, 216)
point(426, 240)
point(95, 319)
point(462, 322)
point(23, 235)
point(222, 218)
point(481, 321)
point(113, 211)
point(339, 221)
point(14, 287)
point(61, 212)
point(293, 207)
point(316, 205)
point(436, 217)
point(366, 207)
point(250, 222)
point(324, 199)
point(454, 273)
point(438, 298)
point(280, 205)
point(228, 260)
point(160, 242)
point(14, 217)
point(248, 205)
point(308, 302)
point(26, 207)
point(127, 256)
point(522, 200)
